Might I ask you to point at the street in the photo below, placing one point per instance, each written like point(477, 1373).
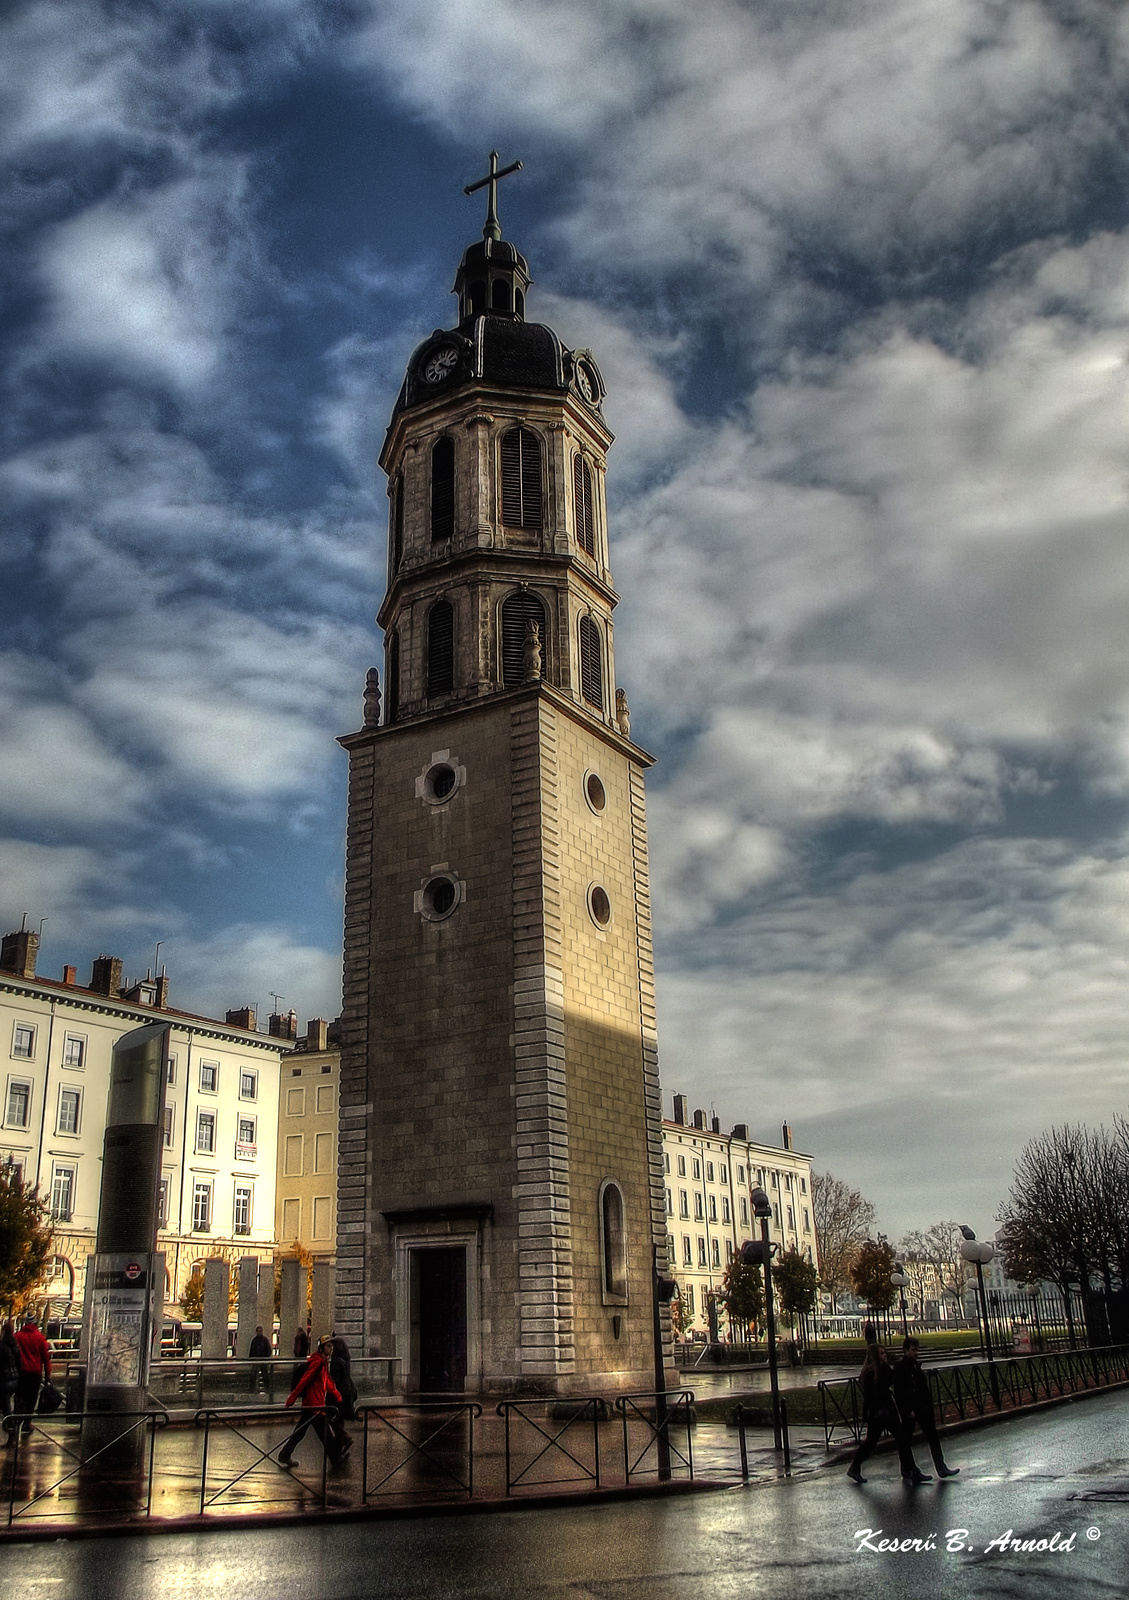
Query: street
point(794, 1540)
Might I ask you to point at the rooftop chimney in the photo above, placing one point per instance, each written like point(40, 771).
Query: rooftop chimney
point(715, 1124)
point(317, 1033)
point(283, 1027)
point(162, 990)
point(70, 975)
point(106, 975)
point(243, 1018)
point(786, 1135)
point(18, 952)
point(740, 1131)
point(680, 1109)
point(700, 1121)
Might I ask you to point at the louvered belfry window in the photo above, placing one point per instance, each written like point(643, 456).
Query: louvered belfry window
point(521, 479)
point(392, 687)
point(517, 610)
point(443, 489)
point(582, 499)
point(591, 664)
point(397, 540)
point(440, 648)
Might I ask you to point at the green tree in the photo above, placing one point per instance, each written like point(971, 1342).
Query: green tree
point(796, 1283)
point(843, 1219)
point(25, 1240)
point(192, 1298)
point(743, 1293)
point(870, 1275)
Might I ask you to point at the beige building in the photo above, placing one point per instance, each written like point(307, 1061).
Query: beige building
point(306, 1175)
point(709, 1177)
point(500, 1189)
point(221, 1113)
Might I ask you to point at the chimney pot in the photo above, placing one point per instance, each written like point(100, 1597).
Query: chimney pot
point(70, 974)
point(106, 975)
point(18, 952)
point(786, 1135)
point(680, 1109)
point(243, 1018)
point(700, 1121)
point(281, 1026)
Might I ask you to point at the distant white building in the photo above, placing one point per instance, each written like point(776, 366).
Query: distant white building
point(709, 1177)
point(221, 1113)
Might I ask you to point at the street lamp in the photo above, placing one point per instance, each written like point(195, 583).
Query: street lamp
point(898, 1281)
point(979, 1254)
point(1035, 1291)
point(752, 1253)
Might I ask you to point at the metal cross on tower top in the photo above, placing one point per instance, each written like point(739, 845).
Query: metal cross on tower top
point(491, 228)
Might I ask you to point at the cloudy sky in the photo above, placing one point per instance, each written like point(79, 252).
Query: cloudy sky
point(857, 272)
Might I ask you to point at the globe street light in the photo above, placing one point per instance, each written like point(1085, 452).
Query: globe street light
point(980, 1253)
point(760, 1251)
point(898, 1281)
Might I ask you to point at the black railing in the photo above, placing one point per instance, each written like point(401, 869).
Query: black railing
point(974, 1388)
point(231, 1424)
point(439, 1456)
point(524, 1417)
point(88, 1454)
point(657, 1421)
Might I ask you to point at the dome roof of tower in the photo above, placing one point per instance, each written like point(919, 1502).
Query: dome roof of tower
point(489, 348)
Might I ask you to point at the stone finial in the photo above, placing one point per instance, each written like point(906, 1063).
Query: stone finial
point(623, 713)
point(372, 698)
point(531, 652)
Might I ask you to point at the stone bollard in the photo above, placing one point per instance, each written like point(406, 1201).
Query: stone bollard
point(217, 1283)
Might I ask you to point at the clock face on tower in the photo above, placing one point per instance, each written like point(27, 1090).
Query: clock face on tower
point(440, 364)
point(585, 381)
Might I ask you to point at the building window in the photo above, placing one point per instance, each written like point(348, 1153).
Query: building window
point(682, 1166)
point(709, 1171)
point(292, 1156)
point(807, 1220)
point(441, 648)
point(392, 682)
point(702, 1258)
point(683, 1203)
point(582, 496)
point(716, 1252)
point(803, 1186)
point(166, 1118)
point(23, 1041)
point(163, 1204)
point(291, 1219)
point(687, 1251)
point(723, 1174)
point(697, 1166)
point(791, 1218)
point(325, 1098)
point(245, 1146)
point(729, 1250)
point(74, 1050)
point(518, 609)
point(323, 1152)
point(521, 479)
point(690, 1299)
point(776, 1215)
point(698, 1211)
point(295, 1102)
point(242, 1223)
point(201, 1207)
point(205, 1133)
point(725, 1210)
point(170, 1070)
point(209, 1076)
point(613, 1243)
point(740, 1174)
point(744, 1211)
point(666, 1161)
point(68, 1111)
point(323, 1217)
point(671, 1250)
point(788, 1182)
point(248, 1084)
point(19, 1104)
point(62, 1194)
point(713, 1208)
point(442, 489)
point(775, 1180)
point(591, 664)
point(11, 1165)
point(669, 1204)
point(760, 1177)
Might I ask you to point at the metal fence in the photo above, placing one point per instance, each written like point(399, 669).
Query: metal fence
point(972, 1389)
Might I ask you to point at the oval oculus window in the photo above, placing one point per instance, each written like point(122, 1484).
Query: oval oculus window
point(595, 793)
point(599, 906)
point(439, 897)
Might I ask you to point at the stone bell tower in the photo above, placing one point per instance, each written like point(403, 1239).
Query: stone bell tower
point(500, 1181)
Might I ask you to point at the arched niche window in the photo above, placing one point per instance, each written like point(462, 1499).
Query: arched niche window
point(477, 298)
point(613, 1245)
point(582, 499)
point(518, 609)
point(500, 295)
point(442, 489)
point(521, 479)
point(440, 648)
point(591, 664)
point(396, 526)
point(392, 680)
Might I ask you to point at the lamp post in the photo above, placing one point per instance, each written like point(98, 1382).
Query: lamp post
point(980, 1253)
point(1035, 1291)
point(761, 1251)
point(898, 1281)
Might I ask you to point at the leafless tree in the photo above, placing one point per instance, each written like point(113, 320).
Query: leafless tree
point(843, 1219)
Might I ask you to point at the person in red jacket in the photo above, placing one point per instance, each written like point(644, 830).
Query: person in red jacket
point(316, 1389)
point(35, 1368)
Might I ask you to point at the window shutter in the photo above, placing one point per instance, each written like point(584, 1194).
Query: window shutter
point(518, 609)
point(440, 648)
point(521, 479)
point(443, 489)
point(397, 523)
point(392, 697)
point(582, 499)
point(591, 664)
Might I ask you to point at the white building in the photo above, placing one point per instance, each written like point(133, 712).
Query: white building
point(709, 1178)
point(221, 1113)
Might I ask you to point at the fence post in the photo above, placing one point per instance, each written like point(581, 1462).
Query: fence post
point(784, 1436)
point(741, 1440)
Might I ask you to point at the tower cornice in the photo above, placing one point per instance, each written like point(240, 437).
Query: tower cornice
point(464, 407)
point(500, 563)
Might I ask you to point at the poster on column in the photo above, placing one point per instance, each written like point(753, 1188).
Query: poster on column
point(119, 1315)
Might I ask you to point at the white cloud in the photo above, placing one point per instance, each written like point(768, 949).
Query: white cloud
point(244, 964)
point(51, 880)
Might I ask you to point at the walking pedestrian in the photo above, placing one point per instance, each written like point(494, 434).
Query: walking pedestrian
point(881, 1416)
point(260, 1349)
point(35, 1369)
point(915, 1403)
point(301, 1353)
point(340, 1370)
point(315, 1388)
point(9, 1372)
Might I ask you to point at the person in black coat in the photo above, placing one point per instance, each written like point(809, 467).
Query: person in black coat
point(340, 1370)
point(9, 1370)
point(260, 1350)
point(915, 1404)
point(881, 1416)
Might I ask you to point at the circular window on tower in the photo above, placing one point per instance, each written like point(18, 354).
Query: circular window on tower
point(441, 778)
point(599, 906)
point(438, 897)
point(595, 793)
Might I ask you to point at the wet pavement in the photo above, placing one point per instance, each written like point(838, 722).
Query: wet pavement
point(1060, 1476)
